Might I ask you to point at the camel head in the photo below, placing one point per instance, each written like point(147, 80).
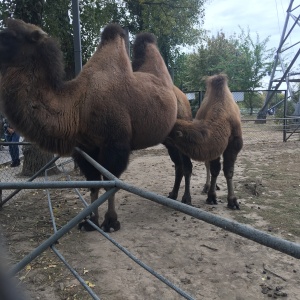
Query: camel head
point(18, 42)
point(27, 46)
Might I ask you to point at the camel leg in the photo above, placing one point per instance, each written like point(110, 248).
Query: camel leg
point(229, 158)
point(175, 157)
point(115, 160)
point(207, 183)
point(187, 172)
point(91, 174)
point(183, 167)
point(215, 167)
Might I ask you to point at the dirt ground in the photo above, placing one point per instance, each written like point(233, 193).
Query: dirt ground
point(203, 260)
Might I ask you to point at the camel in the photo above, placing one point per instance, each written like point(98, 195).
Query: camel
point(107, 110)
point(142, 61)
point(215, 131)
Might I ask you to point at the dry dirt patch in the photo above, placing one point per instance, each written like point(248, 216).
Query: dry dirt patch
point(205, 261)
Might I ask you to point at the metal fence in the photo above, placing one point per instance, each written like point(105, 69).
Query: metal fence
point(112, 185)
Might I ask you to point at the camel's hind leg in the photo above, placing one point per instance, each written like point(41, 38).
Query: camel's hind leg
point(229, 158)
point(183, 167)
point(207, 182)
point(215, 168)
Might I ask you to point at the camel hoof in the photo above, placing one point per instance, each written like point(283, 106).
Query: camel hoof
point(87, 226)
point(233, 206)
point(205, 189)
point(172, 196)
point(232, 203)
point(110, 225)
point(186, 199)
point(211, 201)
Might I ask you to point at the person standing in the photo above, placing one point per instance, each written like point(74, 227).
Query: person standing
point(12, 136)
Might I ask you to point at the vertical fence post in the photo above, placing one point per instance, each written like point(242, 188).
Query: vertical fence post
point(285, 116)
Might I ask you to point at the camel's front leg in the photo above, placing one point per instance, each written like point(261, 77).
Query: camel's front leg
point(187, 172)
point(111, 217)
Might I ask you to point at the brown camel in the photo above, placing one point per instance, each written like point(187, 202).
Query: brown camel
point(107, 110)
point(144, 48)
point(215, 131)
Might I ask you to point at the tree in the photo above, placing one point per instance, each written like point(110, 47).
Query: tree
point(174, 22)
point(246, 62)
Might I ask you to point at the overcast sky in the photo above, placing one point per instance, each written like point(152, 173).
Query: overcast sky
point(266, 17)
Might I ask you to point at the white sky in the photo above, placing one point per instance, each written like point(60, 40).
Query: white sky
point(266, 17)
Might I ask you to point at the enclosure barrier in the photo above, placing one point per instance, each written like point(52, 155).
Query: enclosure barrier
point(114, 184)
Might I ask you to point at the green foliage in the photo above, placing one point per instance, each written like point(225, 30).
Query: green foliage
point(252, 100)
point(174, 22)
point(245, 61)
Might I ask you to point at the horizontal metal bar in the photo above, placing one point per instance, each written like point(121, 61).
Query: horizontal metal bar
point(66, 228)
point(263, 238)
point(14, 143)
point(56, 184)
point(54, 159)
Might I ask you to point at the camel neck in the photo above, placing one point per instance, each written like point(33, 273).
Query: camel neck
point(40, 112)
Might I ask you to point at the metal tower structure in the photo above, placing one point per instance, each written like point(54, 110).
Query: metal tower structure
point(285, 62)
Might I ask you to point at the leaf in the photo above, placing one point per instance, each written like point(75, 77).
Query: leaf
point(28, 267)
point(90, 284)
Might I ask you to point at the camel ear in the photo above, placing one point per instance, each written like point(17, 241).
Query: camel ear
point(179, 134)
point(36, 35)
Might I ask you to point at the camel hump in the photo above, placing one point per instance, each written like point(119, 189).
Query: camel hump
point(140, 42)
point(217, 81)
point(144, 38)
point(111, 31)
point(21, 26)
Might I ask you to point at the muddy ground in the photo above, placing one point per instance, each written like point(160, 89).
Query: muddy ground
point(205, 261)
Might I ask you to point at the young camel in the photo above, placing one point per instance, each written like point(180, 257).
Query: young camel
point(215, 131)
point(107, 110)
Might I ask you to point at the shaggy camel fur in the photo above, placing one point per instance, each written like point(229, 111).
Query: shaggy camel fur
point(216, 130)
point(107, 110)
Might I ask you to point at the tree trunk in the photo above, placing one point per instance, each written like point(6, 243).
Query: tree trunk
point(35, 159)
